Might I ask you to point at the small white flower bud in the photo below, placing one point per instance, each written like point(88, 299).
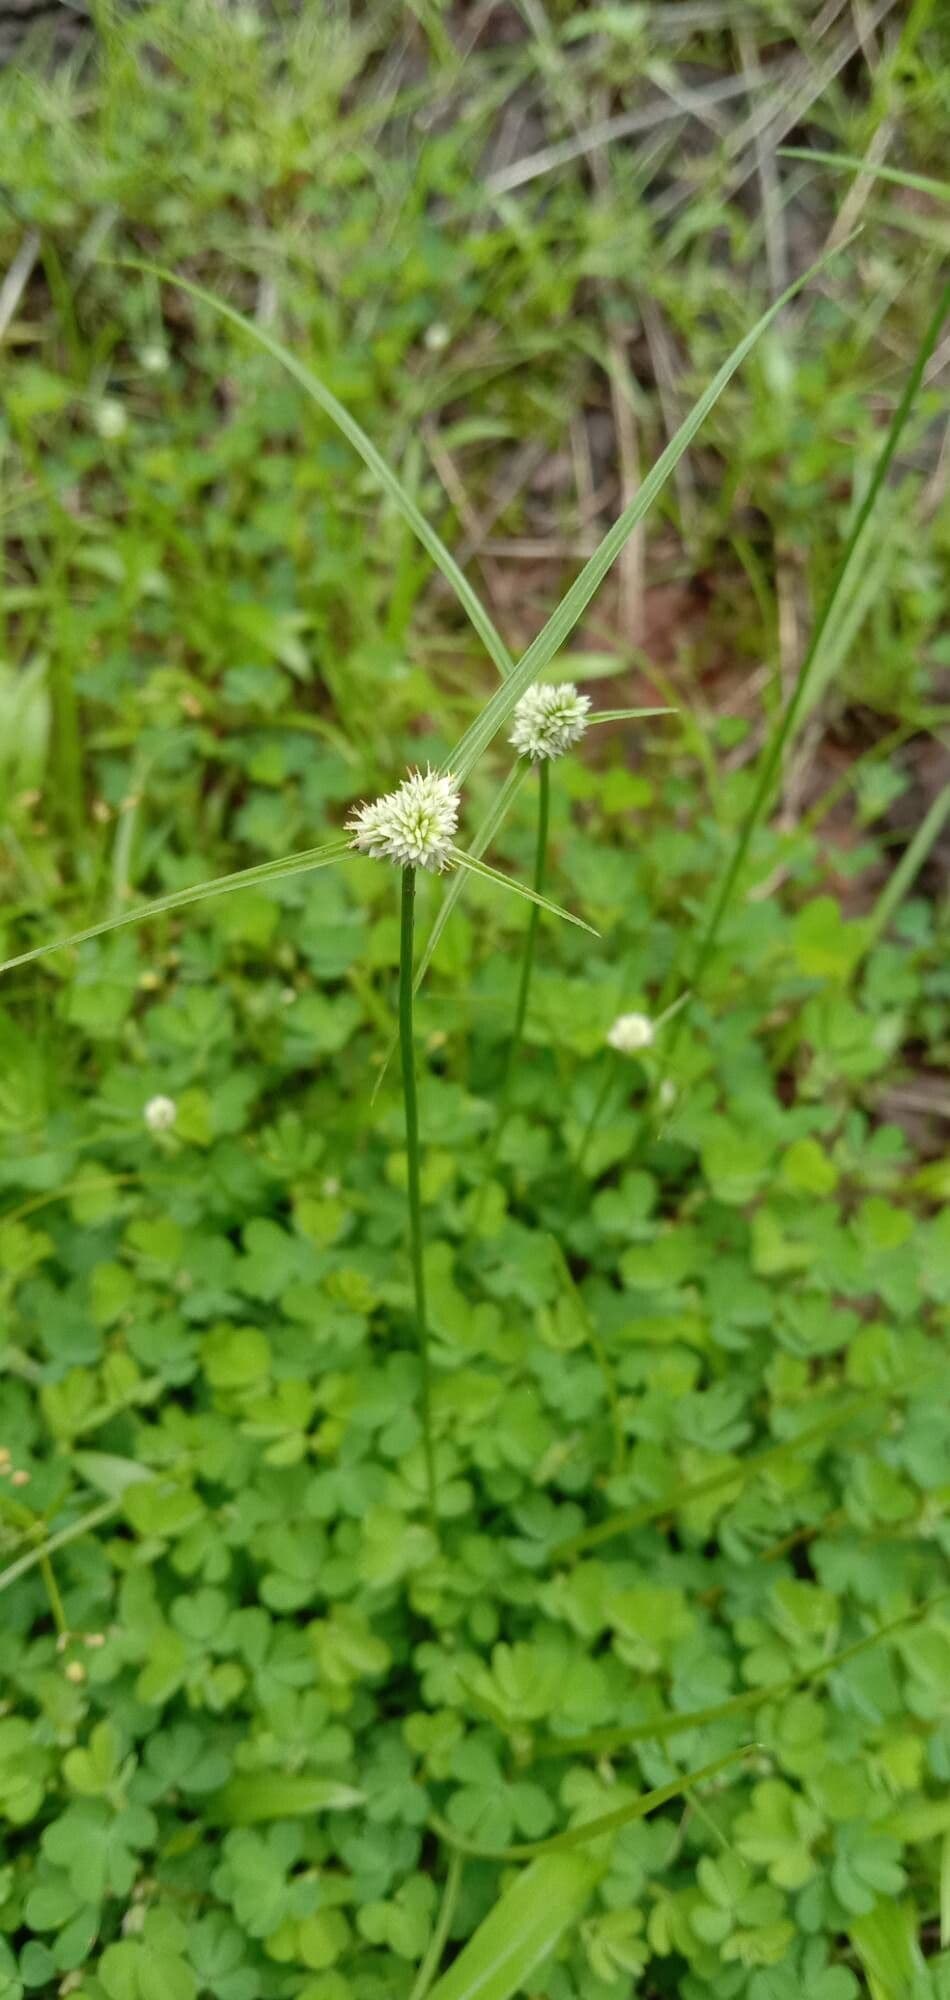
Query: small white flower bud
point(631, 1033)
point(413, 826)
point(110, 418)
point(154, 358)
point(160, 1114)
point(548, 720)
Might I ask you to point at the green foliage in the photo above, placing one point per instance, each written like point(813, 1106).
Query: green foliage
point(688, 1337)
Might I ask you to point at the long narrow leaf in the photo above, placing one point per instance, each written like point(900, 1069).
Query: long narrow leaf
point(908, 867)
point(627, 714)
point(436, 1944)
point(265, 1795)
point(746, 1468)
point(518, 889)
point(842, 581)
point(593, 1829)
point(886, 1944)
point(319, 393)
point(481, 842)
point(550, 640)
point(61, 1540)
point(222, 885)
point(521, 1931)
point(850, 163)
point(659, 1729)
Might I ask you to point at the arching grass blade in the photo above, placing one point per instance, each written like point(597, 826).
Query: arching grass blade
point(257, 877)
point(339, 415)
point(551, 639)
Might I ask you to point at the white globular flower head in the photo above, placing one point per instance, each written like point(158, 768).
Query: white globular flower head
point(160, 1114)
point(630, 1033)
point(548, 720)
point(413, 826)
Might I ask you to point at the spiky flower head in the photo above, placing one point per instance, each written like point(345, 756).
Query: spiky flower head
point(631, 1033)
point(548, 720)
point(413, 826)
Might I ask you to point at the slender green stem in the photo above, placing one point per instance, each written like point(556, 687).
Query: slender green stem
point(772, 761)
point(597, 1113)
point(430, 1963)
point(84, 1526)
point(410, 1102)
point(524, 982)
point(908, 867)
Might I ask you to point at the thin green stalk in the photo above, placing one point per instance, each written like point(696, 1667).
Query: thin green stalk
point(592, 1829)
point(609, 1072)
point(595, 1116)
point(84, 1526)
point(908, 867)
point(659, 1728)
point(410, 1102)
point(436, 1946)
point(773, 757)
point(524, 982)
point(849, 163)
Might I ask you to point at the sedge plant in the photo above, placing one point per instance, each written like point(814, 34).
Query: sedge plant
point(413, 826)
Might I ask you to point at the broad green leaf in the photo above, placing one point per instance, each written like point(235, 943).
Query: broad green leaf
point(551, 639)
point(356, 436)
point(199, 892)
point(245, 1801)
point(521, 1931)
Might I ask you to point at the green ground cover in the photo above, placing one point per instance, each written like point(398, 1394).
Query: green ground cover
point(265, 1731)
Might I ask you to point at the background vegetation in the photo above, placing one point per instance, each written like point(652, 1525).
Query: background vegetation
point(690, 1360)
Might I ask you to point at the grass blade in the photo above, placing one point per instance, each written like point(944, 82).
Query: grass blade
point(594, 1829)
point(355, 435)
point(562, 622)
point(653, 1510)
point(850, 163)
point(61, 1540)
point(604, 1742)
point(265, 1795)
point(521, 1931)
point(497, 811)
point(222, 885)
point(518, 889)
point(436, 1945)
point(887, 1948)
point(843, 580)
point(627, 714)
point(909, 866)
